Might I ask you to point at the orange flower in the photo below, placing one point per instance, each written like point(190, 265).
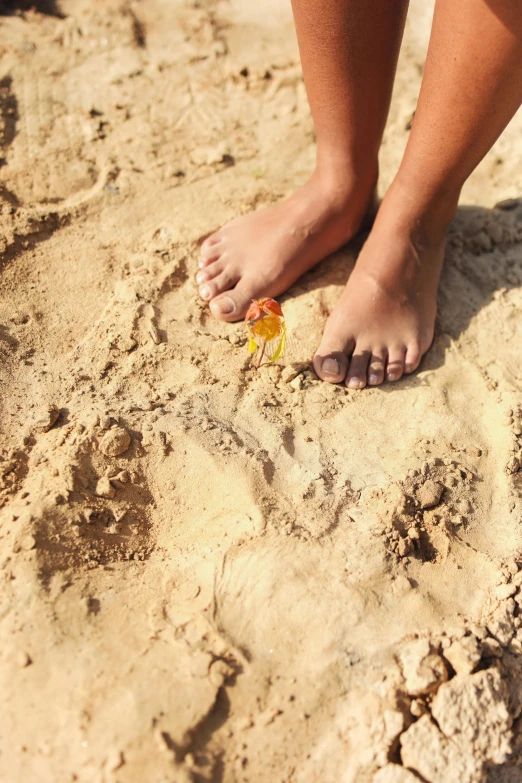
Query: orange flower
point(264, 323)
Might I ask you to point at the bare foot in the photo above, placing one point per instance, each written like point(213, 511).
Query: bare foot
point(264, 253)
point(384, 321)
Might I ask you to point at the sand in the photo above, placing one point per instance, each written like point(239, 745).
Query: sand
point(208, 572)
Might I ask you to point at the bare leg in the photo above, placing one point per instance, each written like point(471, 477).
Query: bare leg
point(349, 54)
point(472, 87)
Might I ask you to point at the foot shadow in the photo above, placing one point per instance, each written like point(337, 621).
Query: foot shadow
point(48, 7)
point(483, 261)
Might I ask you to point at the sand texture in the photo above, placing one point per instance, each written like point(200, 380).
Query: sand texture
point(208, 572)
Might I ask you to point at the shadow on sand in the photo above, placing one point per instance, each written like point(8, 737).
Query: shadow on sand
point(49, 7)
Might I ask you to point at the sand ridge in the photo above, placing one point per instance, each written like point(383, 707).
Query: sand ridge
point(213, 573)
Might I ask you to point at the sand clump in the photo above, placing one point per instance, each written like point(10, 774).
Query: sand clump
point(212, 572)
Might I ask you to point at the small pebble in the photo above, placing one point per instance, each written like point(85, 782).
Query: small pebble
point(23, 658)
point(297, 383)
point(513, 465)
point(46, 418)
point(429, 494)
point(116, 441)
point(152, 329)
point(104, 488)
point(27, 542)
point(292, 371)
point(126, 344)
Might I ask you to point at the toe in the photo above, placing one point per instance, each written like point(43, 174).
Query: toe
point(376, 367)
point(209, 253)
point(213, 239)
point(357, 371)
point(212, 288)
point(209, 272)
point(395, 366)
point(331, 366)
point(413, 357)
point(232, 304)
point(332, 357)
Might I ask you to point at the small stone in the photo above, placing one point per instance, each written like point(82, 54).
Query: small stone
point(152, 329)
point(219, 672)
point(116, 441)
point(292, 371)
point(464, 655)
point(429, 494)
point(458, 520)
point(126, 344)
point(513, 466)
point(88, 514)
point(423, 669)
point(418, 708)
point(46, 418)
point(104, 488)
point(297, 383)
point(23, 658)
point(27, 542)
point(505, 591)
point(105, 422)
point(500, 624)
point(405, 547)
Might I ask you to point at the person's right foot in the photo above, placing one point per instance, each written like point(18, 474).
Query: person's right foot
point(384, 321)
point(265, 252)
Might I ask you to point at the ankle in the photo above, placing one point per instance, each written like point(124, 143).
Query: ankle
point(424, 214)
point(344, 186)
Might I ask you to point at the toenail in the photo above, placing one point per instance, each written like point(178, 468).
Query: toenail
point(205, 292)
point(373, 379)
point(330, 367)
point(201, 262)
point(200, 277)
point(225, 305)
point(392, 376)
point(354, 383)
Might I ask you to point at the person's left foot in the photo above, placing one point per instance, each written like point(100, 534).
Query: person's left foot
point(384, 321)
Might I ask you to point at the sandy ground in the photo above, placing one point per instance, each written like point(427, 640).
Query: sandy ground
point(212, 573)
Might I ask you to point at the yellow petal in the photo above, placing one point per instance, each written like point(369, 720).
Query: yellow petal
point(268, 328)
point(279, 351)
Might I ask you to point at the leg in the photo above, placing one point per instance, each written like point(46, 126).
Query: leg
point(472, 87)
point(349, 53)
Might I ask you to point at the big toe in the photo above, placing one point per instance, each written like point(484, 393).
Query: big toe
point(231, 305)
point(330, 362)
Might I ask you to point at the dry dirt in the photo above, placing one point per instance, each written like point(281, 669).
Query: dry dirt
point(212, 573)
